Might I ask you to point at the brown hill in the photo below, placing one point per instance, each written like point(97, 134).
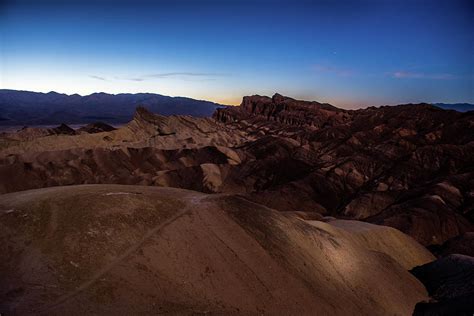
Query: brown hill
point(109, 249)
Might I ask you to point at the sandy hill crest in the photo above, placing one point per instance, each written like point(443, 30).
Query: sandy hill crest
point(135, 249)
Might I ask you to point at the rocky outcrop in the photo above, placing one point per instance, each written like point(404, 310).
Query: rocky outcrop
point(97, 127)
point(450, 282)
point(63, 129)
point(32, 133)
point(171, 132)
point(284, 110)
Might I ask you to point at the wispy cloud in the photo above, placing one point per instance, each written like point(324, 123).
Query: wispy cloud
point(98, 77)
point(199, 80)
point(329, 69)
point(185, 76)
point(421, 75)
point(133, 79)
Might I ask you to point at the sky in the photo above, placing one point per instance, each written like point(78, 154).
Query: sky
point(348, 53)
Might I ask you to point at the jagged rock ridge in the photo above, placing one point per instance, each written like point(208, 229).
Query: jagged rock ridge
point(407, 166)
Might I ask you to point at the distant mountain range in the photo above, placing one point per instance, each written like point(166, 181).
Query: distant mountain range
point(34, 108)
point(460, 107)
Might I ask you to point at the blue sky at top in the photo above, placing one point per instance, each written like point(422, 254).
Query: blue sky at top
point(349, 53)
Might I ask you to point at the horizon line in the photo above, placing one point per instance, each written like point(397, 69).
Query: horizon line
point(206, 100)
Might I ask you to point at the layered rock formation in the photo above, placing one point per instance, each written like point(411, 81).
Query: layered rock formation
point(407, 166)
point(284, 110)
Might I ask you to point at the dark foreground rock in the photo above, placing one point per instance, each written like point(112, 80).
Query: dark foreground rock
point(463, 245)
point(450, 282)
